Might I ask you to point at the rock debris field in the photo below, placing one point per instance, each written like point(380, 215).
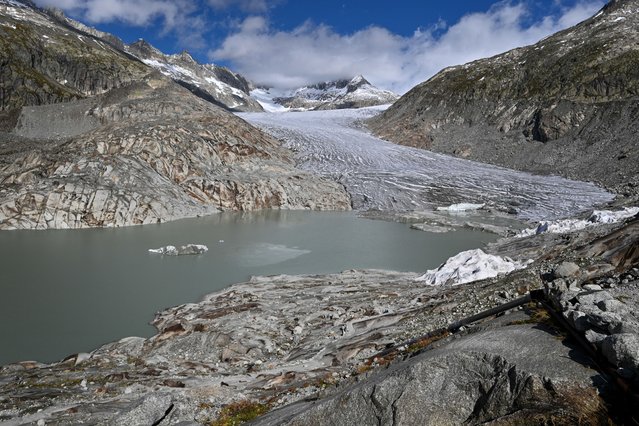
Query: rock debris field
point(384, 176)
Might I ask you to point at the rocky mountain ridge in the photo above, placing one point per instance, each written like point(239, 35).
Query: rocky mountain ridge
point(45, 62)
point(340, 94)
point(72, 61)
point(211, 82)
point(566, 105)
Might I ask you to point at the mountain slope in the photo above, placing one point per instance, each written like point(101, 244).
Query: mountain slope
point(47, 57)
point(340, 94)
point(43, 61)
point(148, 152)
point(90, 136)
point(211, 82)
point(567, 105)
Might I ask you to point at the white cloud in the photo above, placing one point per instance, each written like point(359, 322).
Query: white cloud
point(177, 16)
point(312, 53)
point(134, 12)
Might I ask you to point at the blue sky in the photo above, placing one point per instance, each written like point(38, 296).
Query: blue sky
point(289, 43)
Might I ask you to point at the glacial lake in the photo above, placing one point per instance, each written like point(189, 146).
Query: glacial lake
point(65, 292)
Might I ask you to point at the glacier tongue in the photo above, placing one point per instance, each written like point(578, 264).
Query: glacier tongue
point(468, 266)
point(383, 176)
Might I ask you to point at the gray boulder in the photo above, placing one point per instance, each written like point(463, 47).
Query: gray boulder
point(491, 375)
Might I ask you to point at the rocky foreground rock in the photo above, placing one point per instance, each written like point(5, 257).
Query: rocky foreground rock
point(566, 105)
point(315, 341)
point(145, 153)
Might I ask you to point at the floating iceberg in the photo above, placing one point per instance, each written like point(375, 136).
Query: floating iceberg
point(468, 266)
point(188, 249)
point(571, 225)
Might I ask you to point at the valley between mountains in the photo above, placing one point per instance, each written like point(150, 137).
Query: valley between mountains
point(536, 147)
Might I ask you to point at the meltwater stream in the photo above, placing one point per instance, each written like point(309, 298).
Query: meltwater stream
point(65, 292)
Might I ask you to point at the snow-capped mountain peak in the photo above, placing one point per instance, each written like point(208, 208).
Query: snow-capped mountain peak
point(211, 82)
point(356, 83)
point(356, 92)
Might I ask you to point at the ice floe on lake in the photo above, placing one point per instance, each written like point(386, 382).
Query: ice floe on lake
point(189, 249)
point(468, 266)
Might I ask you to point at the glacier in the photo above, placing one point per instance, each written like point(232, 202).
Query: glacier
point(380, 175)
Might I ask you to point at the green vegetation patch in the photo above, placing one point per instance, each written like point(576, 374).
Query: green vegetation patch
point(240, 412)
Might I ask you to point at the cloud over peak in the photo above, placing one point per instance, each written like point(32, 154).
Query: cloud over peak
point(239, 34)
point(315, 52)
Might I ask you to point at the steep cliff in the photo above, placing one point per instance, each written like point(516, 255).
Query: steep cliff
point(567, 105)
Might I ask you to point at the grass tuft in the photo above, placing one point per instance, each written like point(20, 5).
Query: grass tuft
point(240, 412)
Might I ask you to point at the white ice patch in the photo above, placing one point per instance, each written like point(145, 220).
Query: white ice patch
point(468, 266)
point(167, 250)
point(571, 225)
point(265, 98)
point(461, 207)
point(188, 249)
point(263, 254)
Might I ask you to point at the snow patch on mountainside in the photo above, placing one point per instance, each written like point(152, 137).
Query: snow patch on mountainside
point(204, 80)
point(22, 12)
point(12, 3)
point(265, 98)
point(469, 266)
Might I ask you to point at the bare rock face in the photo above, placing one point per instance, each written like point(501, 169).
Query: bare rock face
point(45, 62)
point(494, 375)
point(283, 339)
point(153, 152)
point(566, 105)
point(214, 83)
point(307, 348)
